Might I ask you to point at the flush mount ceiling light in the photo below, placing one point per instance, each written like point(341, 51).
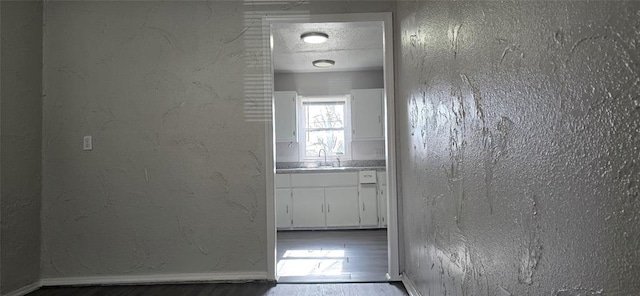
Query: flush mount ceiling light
point(314, 37)
point(323, 63)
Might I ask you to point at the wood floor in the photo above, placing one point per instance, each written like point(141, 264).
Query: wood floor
point(336, 263)
point(332, 256)
point(241, 289)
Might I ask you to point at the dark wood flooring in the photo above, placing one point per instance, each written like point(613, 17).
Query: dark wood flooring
point(240, 289)
point(332, 256)
point(336, 263)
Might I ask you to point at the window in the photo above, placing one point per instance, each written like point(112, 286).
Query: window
point(324, 125)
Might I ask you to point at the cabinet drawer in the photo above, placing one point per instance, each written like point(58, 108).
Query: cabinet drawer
point(283, 181)
point(324, 179)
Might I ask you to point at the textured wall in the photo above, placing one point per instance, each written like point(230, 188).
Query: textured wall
point(21, 129)
point(175, 182)
point(519, 147)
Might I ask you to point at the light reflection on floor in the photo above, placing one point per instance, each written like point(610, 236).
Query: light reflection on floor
point(332, 256)
point(311, 262)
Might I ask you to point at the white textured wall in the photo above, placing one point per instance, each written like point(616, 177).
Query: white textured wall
point(175, 182)
point(519, 138)
point(21, 129)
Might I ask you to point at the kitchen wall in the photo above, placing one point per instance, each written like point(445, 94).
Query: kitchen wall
point(519, 146)
point(20, 143)
point(330, 83)
point(360, 150)
point(174, 183)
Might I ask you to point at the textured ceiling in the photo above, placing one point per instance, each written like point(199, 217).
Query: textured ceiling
point(354, 46)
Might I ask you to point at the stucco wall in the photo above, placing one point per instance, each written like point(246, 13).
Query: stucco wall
point(175, 182)
point(21, 129)
point(519, 139)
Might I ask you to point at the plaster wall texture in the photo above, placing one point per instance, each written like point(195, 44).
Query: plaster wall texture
point(519, 145)
point(175, 182)
point(20, 141)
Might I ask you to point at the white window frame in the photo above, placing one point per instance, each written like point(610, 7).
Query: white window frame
point(302, 131)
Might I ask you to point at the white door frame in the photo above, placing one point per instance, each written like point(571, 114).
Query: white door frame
point(392, 207)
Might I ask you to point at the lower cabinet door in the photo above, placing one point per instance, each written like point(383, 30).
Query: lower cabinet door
point(382, 202)
point(308, 207)
point(342, 206)
point(283, 208)
point(368, 206)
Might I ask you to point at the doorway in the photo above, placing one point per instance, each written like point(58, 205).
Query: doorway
point(332, 207)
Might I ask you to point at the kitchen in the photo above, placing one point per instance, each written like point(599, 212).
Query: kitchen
point(331, 181)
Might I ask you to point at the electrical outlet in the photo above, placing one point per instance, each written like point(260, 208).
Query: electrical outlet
point(87, 143)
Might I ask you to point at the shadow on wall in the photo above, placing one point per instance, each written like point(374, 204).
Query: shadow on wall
point(20, 143)
point(173, 95)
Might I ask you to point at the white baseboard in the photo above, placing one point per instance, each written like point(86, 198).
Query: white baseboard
point(408, 284)
point(24, 290)
point(154, 279)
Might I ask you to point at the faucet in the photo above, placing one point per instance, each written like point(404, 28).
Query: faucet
point(325, 156)
point(338, 159)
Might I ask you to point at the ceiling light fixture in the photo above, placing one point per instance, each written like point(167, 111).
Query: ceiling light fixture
point(314, 37)
point(324, 63)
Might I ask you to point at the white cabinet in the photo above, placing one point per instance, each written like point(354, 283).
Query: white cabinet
point(367, 114)
point(308, 207)
point(342, 206)
point(283, 180)
point(382, 202)
point(324, 180)
point(327, 200)
point(285, 116)
point(283, 201)
point(283, 208)
point(368, 205)
point(382, 198)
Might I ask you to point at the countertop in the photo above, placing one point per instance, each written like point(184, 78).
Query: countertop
point(328, 170)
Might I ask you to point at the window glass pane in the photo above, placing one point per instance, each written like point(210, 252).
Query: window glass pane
point(332, 141)
point(324, 115)
point(324, 128)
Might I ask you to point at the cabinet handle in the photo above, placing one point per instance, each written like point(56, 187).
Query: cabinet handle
point(322, 208)
point(378, 118)
point(328, 208)
point(287, 209)
point(294, 133)
point(363, 207)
